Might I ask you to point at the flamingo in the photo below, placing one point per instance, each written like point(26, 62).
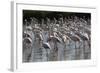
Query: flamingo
point(84, 34)
point(47, 47)
point(27, 48)
point(83, 37)
point(27, 43)
point(55, 40)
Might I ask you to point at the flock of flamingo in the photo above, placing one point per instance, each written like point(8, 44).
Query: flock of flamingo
point(65, 38)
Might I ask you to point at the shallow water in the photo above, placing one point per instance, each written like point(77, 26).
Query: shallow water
point(70, 52)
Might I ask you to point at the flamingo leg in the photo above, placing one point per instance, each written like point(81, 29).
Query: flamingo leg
point(76, 50)
point(84, 49)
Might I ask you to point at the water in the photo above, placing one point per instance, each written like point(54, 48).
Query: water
point(40, 54)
